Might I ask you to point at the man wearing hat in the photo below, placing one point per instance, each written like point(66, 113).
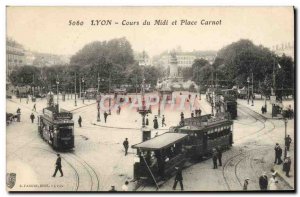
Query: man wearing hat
point(58, 166)
point(288, 141)
point(246, 182)
point(278, 154)
point(263, 181)
point(215, 158)
point(113, 189)
point(287, 165)
point(178, 178)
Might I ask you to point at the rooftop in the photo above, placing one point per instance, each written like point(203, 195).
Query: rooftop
point(161, 141)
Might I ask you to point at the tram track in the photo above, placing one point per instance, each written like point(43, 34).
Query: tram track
point(77, 178)
point(71, 159)
point(93, 177)
point(230, 173)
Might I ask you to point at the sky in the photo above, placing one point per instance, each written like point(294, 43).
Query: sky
point(47, 29)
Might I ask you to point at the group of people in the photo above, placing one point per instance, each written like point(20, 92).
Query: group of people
point(124, 187)
point(80, 119)
point(197, 113)
point(264, 182)
point(287, 160)
point(264, 109)
point(155, 122)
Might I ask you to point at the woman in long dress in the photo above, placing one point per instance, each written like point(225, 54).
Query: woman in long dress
point(273, 182)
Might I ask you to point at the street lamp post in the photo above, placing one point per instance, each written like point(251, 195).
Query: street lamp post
point(83, 90)
point(80, 87)
point(98, 79)
point(160, 96)
point(252, 95)
point(98, 110)
point(285, 148)
point(57, 83)
point(75, 91)
point(248, 81)
point(98, 105)
point(109, 111)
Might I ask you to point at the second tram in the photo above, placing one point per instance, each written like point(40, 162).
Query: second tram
point(57, 128)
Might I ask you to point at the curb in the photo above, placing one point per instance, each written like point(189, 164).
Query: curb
point(282, 176)
point(111, 127)
point(82, 107)
point(274, 118)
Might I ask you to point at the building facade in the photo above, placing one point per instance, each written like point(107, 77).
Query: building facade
point(15, 55)
point(284, 48)
point(186, 59)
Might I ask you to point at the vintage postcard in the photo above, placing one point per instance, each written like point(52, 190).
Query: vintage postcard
point(150, 99)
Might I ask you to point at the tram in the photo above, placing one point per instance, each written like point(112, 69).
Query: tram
point(57, 128)
point(228, 104)
point(206, 133)
point(192, 139)
point(158, 157)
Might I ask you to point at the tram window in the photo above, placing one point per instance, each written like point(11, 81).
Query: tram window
point(220, 133)
point(66, 131)
point(216, 135)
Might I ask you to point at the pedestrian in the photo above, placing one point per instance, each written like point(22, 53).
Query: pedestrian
point(119, 110)
point(219, 155)
point(199, 112)
point(126, 145)
point(263, 181)
point(182, 116)
point(105, 116)
point(155, 123)
point(287, 165)
point(32, 117)
point(215, 158)
point(192, 114)
point(262, 110)
point(125, 186)
point(58, 166)
point(288, 141)
point(112, 189)
point(18, 115)
point(147, 121)
point(79, 121)
point(246, 183)
point(34, 107)
point(163, 121)
point(278, 154)
point(273, 182)
point(178, 178)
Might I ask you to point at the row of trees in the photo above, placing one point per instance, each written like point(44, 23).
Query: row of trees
point(112, 61)
point(237, 62)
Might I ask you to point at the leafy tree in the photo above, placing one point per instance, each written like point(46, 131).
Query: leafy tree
point(25, 75)
point(187, 73)
point(238, 61)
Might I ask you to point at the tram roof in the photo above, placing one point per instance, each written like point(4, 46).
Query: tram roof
point(161, 141)
point(205, 125)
